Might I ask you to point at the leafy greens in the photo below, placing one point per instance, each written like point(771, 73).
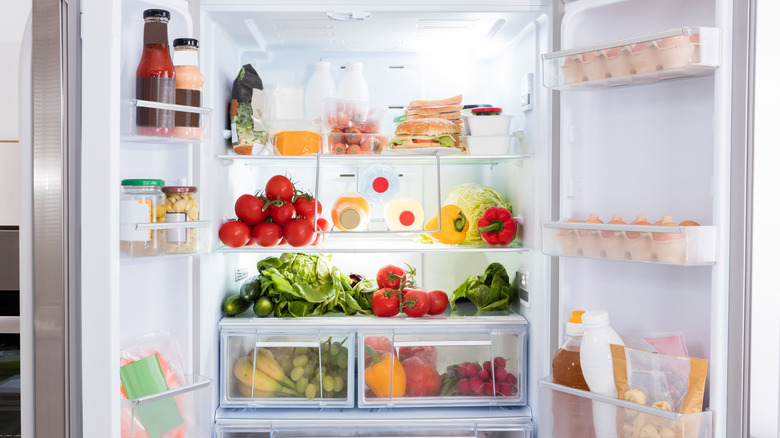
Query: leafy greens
point(489, 291)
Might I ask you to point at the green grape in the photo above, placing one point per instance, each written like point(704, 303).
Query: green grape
point(334, 349)
point(301, 384)
point(343, 373)
point(310, 391)
point(325, 359)
point(300, 360)
point(338, 384)
point(328, 383)
point(301, 351)
point(342, 360)
point(308, 369)
point(296, 373)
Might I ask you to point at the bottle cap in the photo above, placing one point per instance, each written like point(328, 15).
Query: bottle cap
point(322, 64)
point(185, 42)
point(576, 316)
point(575, 327)
point(595, 317)
point(350, 218)
point(161, 13)
point(354, 66)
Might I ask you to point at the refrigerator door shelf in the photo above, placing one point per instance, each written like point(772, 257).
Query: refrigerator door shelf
point(688, 51)
point(434, 364)
point(307, 369)
point(193, 241)
point(193, 135)
point(570, 412)
point(689, 246)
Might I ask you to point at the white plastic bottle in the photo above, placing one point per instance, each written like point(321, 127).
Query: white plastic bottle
point(353, 85)
point(320, 86)
point(596, 363)
point(379, 184)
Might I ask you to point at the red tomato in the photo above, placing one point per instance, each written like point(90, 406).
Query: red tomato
point(439, 302)
point(322, 225)
point(234, 234)
point(390, 276)
point(385, 302)
point(267, 234)
point(249, 209)
point(305, 207)
point(416, 302)
point(281, 214)
point(299, 232)
point(353, 135)
point(279, 187)
point(422, 379)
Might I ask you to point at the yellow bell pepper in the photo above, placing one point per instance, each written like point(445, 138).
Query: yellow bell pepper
point(385, 376)
point(454, 226)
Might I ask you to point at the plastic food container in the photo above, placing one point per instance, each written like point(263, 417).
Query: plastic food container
point(487, 125)
point(353, 142)
point(277, 367)
point(486, 111)
point(141, 202)
point(487, 144)
point(181, 205)
point(295, 137)
point(353, 127)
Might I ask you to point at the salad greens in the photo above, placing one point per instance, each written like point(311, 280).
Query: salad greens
point(489, 291)
point(245, 126)
point(473, 200)
point(308, 284)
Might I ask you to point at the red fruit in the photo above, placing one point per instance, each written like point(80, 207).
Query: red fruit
point(390, 276)
point(483, 374)
point(249, 209)
point(385, 302)
point(267, 234)
point(489, 388)
point(477, 386)
point(487, 366)
point(281, 214)
point(439, 302)
point(463, 370)
point(416, 302)
point(234, 234)
point(299, 232)
point(464, 387)
point(473, 370)
point(499, 362)
point(500, 374)
point(505, 389)
point(306, 206)
point(511, 379)
point(279, 187)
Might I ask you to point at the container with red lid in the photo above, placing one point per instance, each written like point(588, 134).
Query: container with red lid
point(181, 205)
point(487, 121)
point(489, 111)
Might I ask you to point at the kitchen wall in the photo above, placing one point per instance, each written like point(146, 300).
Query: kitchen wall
point(12, 20)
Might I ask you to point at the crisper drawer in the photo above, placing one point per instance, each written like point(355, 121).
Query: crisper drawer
point(277, 367)
point(567, 412)
point(460, 367)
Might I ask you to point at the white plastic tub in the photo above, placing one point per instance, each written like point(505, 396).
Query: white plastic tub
point(488, 125)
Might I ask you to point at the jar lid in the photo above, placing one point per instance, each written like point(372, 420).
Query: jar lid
point(185, 42)
point(481, 105)
point(180, 189)
point(161, 13)
point(143, 182)
point(350, 218)
point(595, 317)
point(486, 110)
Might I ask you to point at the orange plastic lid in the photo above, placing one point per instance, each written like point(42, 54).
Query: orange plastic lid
point(576, 316)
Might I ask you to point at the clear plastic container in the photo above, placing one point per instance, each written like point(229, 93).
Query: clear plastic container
point(181, 205)
point(566, 368)
point(141, 202)
point(319, 87)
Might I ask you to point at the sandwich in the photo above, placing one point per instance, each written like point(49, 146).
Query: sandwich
point(425, 133)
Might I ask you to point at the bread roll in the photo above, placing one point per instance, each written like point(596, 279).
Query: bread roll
point(454, 100)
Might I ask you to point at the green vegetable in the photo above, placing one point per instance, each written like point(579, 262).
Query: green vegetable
point(250, 289)
point(489, 291)
point(473, 200)
point(307, 285)
point(235, 305)
point(245, 126)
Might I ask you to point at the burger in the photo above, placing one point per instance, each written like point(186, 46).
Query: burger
point(425, 133)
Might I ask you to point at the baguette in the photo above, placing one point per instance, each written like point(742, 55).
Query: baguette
point(454, 100)
point(435, 109)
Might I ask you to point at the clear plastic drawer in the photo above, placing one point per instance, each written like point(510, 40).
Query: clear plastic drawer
point(568, 412)
point(441, 368)
point(276, 368)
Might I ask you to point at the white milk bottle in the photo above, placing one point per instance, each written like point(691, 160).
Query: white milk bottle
point(353, 85)
point(596, 362)
point(320, 86)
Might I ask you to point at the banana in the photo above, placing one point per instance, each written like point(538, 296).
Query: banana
point(265, 362)
point(246, 391)
point(246, 373)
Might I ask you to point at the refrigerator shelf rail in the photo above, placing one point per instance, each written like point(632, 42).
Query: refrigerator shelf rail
point(443, 323)
point(341, 160)
point(689, 246)
point(196, 135)
point(358, 243)
point(621, 415)
point(184, 408)
point(677, 53)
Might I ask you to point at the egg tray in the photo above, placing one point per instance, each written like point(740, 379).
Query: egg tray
point(678, 246)
point(683, 52)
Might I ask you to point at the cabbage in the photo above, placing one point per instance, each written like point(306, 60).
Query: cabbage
point(473, 200)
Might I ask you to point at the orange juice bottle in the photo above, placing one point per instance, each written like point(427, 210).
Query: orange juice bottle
point(351, 212)
point(189, 82)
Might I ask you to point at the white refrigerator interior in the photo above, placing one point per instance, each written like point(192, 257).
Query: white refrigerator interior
point(655, 149)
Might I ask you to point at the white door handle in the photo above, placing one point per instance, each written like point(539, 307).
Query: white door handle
point(9, 324)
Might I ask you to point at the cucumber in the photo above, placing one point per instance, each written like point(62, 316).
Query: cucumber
point(263, 307)
point(235, 305)
point(250, 289)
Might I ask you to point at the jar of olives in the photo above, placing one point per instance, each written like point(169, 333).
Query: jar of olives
point(181, 205)
point(141, 202)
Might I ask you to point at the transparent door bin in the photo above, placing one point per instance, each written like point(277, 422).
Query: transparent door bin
point(196, 239)
point(687, 51)
point(278, 368)
point(567, 412)
point(677, 245)
point(170, 134)
point(469, 368)
point(183, 411)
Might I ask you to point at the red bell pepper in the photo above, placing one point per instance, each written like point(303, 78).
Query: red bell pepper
point(497, 226)
point(422, 379)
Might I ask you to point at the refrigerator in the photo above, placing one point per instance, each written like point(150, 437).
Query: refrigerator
point(670, 140)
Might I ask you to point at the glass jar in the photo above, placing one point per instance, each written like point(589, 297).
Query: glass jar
point(181, 205)
point(351, 212)
point(141, 202)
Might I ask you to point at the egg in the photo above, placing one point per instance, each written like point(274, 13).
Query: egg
point(592, 219)
point(666, 220)
point(616, 219)
point(640, 220)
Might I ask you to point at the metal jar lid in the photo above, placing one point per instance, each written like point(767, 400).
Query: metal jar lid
point(143, 182)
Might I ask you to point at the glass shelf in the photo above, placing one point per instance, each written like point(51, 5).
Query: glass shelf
point(687, 51)
point(340, 160)
point(130, 132)
point(357, 243)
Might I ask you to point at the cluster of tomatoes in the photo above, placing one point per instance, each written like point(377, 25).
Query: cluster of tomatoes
point(395, 295)
point(282, 215)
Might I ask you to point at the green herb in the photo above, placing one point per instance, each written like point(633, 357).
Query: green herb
point(489, 291)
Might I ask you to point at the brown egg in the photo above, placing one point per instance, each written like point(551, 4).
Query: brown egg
point(616, 219)
point(666, 220)
point(640, 220)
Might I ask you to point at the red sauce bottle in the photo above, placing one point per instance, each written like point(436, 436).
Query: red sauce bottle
point(155, 76)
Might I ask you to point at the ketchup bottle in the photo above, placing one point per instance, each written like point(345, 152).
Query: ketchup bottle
point(155, 77)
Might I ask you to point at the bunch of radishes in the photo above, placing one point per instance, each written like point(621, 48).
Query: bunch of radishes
point(490, 379)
